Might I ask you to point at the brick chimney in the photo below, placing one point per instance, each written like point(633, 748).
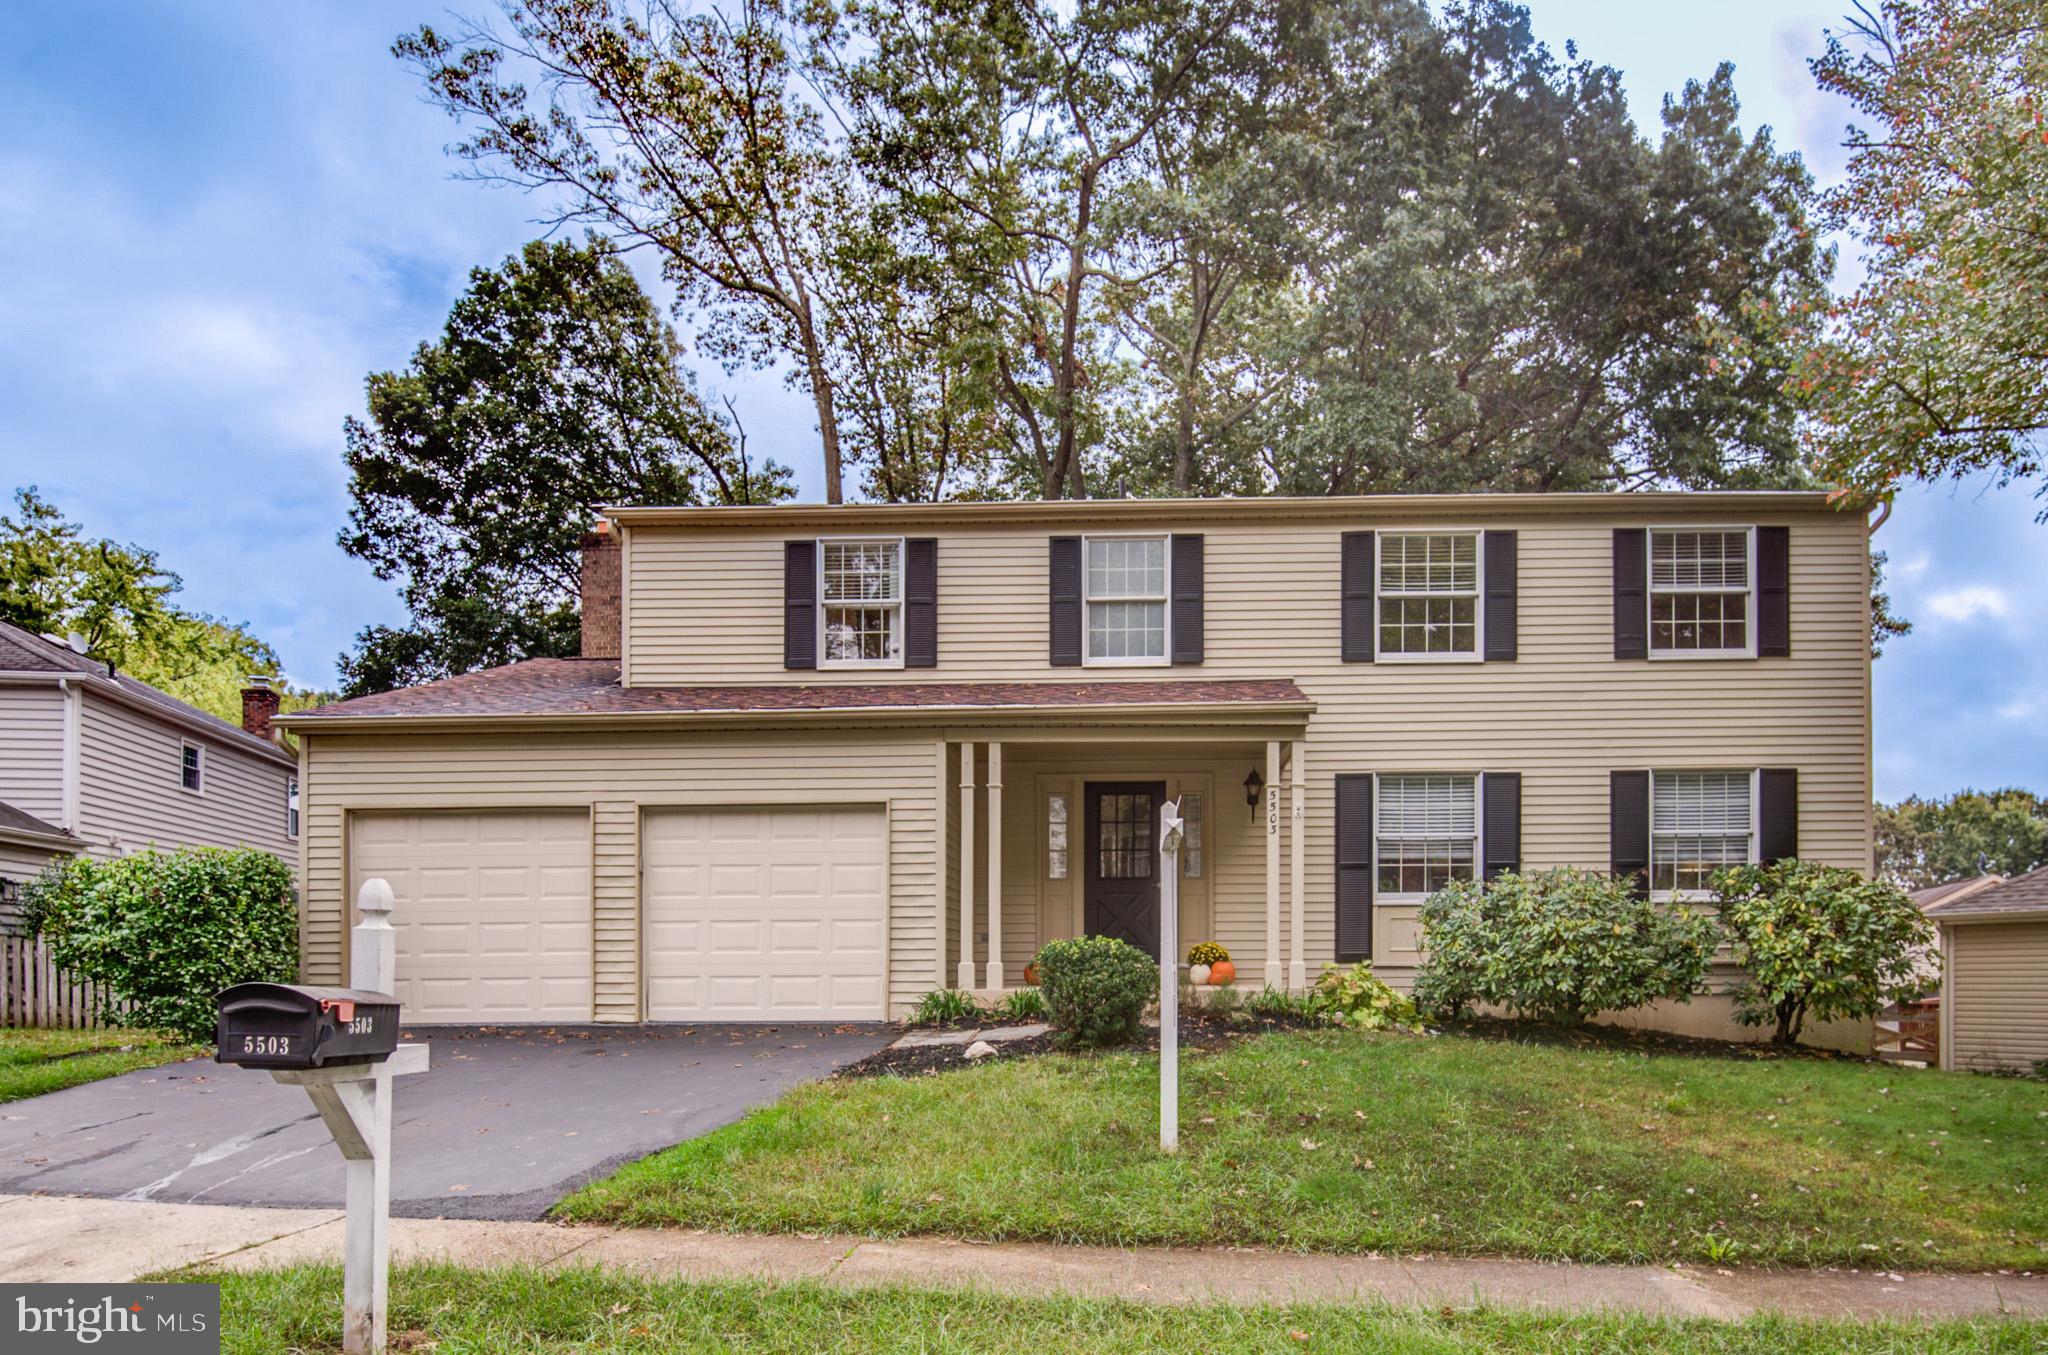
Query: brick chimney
point(601, 592)
point(259, 706)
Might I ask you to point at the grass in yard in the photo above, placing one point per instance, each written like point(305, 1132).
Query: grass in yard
point(466, 1312)
point(36, 1061)
point(1341, 1141)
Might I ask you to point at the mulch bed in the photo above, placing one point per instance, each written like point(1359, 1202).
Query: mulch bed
point(1199, 1030)
point(1636, 1041)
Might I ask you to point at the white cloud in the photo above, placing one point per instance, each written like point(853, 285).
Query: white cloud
point(1970, 602)
point(2020, 708)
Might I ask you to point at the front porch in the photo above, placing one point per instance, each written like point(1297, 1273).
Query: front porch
point(1051, 837)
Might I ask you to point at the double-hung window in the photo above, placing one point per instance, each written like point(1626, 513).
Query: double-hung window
point(1700, 582)
point(1429, 595)
point(861, 591)
point(1125, 578)
point(291, 806)
point(1699, 823)
point(1425, 834)
point(190, 773)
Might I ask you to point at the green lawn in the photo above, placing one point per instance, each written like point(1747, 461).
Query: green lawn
point(1339, 1141)
point(467, 1312)
point(36, 1061)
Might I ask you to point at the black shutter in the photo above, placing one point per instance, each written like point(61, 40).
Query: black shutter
point(799, 604)
point(1354, 867)
point(1187, 597)
point(1628, 823)
point(1065, 575)
point(1501, 808)
point(1631, 593)
point(1354, 570)
point(1777, 814)
point(1499, 549)
point(921, 603)
point(1773, 592)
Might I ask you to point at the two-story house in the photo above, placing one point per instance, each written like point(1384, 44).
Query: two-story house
point(95, 761)
point(817, 761)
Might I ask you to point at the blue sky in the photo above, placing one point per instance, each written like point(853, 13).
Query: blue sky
point(215, 219)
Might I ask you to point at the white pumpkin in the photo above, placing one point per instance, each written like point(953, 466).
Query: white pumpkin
point(1198, 974)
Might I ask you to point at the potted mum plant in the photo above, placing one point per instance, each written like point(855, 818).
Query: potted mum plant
point(1209, 963)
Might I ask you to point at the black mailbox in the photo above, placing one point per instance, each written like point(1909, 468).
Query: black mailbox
point(280, 1025)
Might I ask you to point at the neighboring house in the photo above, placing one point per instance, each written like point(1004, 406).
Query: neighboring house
point(1927, 958)
point(1994, 985)
point(766, 792)
point(97, 762)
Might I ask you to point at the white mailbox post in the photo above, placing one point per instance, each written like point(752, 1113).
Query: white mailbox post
point(1169, 976)
point(355, 1101)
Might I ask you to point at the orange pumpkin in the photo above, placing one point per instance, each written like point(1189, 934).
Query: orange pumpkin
point(1223, 971)
point(1031, 975)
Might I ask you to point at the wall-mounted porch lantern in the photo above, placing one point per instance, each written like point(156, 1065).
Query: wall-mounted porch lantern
point(1253, 784)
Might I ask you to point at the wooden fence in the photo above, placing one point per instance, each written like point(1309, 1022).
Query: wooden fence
point(34, 992)
point(1910, 1032)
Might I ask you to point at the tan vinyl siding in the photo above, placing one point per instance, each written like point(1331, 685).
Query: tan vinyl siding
point(130, 796)
point(32, 750)
point(620, 776)
point(1997, 991)
point(706, 608)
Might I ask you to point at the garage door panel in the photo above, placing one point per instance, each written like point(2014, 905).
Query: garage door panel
point(764, 915)
point(493, 912)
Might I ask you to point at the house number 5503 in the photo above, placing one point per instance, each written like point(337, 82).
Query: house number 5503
point(1273, 809)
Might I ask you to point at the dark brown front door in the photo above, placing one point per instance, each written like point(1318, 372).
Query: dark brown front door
point(1123, 861)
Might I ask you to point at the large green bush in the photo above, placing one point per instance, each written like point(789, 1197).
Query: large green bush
point(1561, 946)
point(1096, 989)
point(166, 931)
point(1359, 998)
point(1818, 941)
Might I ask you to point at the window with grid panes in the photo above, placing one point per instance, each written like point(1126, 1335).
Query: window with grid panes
point(861, 591)
point(1699, 822)
point(1429, 593)
point(1426, 833)
point(1126, 596)
point(1699, 591)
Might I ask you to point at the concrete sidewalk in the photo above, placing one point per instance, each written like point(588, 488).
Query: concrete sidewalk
point(46, 1238)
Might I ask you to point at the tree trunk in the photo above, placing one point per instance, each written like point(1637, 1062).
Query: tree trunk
point(828, 417)
point(1791, 1016)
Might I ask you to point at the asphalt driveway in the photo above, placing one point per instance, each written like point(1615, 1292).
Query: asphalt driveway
point(506, 1122)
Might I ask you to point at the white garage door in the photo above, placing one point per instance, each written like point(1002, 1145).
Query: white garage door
point(492, 915)
point(764, 914)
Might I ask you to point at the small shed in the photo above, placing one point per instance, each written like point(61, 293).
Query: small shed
point(1994, 985)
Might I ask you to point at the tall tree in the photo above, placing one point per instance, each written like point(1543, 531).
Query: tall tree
point(679, 130)
point(555, 386)
point(55, 580)
point(1937, 364)
point(1973, 832)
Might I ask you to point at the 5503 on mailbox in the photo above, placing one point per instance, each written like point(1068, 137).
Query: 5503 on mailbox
point(281, 1025)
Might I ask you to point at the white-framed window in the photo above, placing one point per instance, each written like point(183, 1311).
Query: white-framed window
point(1191, 835)
point(1056, 835)
point(1428, 595)
point(860, 603)
point(1702, 598)
point(1699, 822)
point(291, 806)
point(1124, 579)
point(191, 772)
point(1425, 834)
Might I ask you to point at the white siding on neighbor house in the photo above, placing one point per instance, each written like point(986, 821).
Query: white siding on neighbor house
point(706, 607)
point(621, 776)
point(130, 795)
point(1997, 993)
point(32, 750)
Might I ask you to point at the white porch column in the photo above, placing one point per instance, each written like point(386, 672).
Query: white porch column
point(966, 978)
point(1273, 970)
point(942, 798)
point(1297, 830)
point(995, 865)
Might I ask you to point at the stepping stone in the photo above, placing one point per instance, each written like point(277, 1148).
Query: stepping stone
point(980, 1049)
point(1002, 1033)
point(922, 1039)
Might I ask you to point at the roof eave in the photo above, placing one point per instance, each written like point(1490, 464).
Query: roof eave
point(2027, 914)
point(57, 841)
point(1175, 712)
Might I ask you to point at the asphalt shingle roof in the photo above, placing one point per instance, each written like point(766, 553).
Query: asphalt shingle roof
point(2021, 894)
point(19, 821)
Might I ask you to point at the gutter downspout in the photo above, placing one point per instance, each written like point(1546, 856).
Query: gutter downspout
point(74, 702)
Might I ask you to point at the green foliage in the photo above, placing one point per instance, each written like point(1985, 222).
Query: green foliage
point(1973, 832)
point(1931, 366)
point(473, 479)
point(167, 931)
point(1275, 1003)
point(1561, 946)
point(944, 1007)
point(1022, 1005)
point(1207, 952)
point(1818, 941)
point(1096, 989)
point(55, 580)
point(1357, 997)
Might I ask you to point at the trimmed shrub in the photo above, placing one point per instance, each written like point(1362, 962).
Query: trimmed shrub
point(166, 931)
point(1096, 989)
point(1359, 998)
point(1817, 941)
point(944, 1007)
point(1559, 946)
